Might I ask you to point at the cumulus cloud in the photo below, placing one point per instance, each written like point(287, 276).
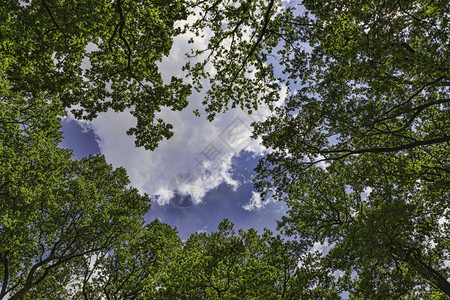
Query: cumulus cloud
point(199, 150)
point(256, 203)
point(366, 192)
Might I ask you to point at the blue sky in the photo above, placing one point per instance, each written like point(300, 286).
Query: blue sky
point(223, 201)
point(198, 177)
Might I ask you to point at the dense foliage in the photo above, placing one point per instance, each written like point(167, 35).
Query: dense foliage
point(75, 229)
point(359, 150)
point(95, 56)
point(361, 147)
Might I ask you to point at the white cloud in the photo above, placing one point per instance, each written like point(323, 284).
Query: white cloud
point(201, 148)
point(366, 192)
point(256, 203)
point(203, 230)
point(322, 248)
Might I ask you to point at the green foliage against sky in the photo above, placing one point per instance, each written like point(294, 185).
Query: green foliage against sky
point(54, 212)
point(50, 44)
point(359, 149)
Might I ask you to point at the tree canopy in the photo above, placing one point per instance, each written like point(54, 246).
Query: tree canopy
point(95, 56)
point(361, 146)
point(54, 211)
point(359, 149)
point(100, 55)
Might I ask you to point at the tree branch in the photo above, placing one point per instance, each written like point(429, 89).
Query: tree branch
point(411, 97)
point(385, 149)
point(258, 41)
point(52, 18)
point(440, 281)
point(4, 260)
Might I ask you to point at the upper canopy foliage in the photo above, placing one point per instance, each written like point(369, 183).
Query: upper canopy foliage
point(95, 56)
point(54, 211)
point(359, 149)
point(361, 146)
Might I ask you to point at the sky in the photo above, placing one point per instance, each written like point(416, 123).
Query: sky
point(226, 192)
point(199, 176)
